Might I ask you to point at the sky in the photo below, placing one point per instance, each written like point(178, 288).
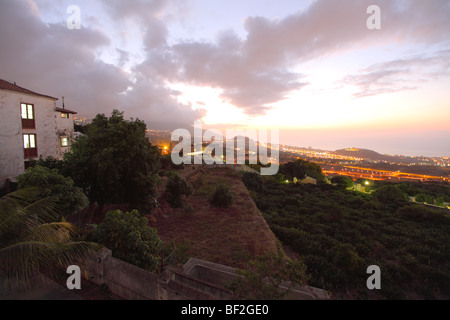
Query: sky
point(309, 68)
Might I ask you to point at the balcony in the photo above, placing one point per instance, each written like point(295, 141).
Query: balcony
point(28, 124)
point(30, 153)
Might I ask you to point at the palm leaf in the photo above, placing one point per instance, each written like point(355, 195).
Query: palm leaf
point(21, 261)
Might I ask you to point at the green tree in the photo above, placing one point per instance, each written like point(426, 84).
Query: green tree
point(50, 183)
point(300, 169)
point(114, 162)
point(32, 239)
point(425, 198)
point(252, 181)
point(390, 195)
point(130, 239)
point(176, 187)
point(222, 197)
point(440, 201)
point(343, 182)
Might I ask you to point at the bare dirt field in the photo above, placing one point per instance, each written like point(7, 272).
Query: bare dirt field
point(228, 236)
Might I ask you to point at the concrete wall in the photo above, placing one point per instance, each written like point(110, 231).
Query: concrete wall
point(11, 143)
point(64, 128)
point(198, 280)
point(123, 279)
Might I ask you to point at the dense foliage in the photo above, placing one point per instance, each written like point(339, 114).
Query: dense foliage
point(222, 197)
point(263, 277)
point(130, 239)
point(33, 238)
point(342, 181)
point(299, 169)
point(252, 181)
point(176, 187)
point(339, 233)
point(50, 183)
point(114, 162)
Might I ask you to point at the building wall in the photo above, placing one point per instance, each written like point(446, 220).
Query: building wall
point(11, 143)
point(64, 128)
point(11, 139)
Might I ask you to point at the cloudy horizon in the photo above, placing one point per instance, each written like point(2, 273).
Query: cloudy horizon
point(309, 68)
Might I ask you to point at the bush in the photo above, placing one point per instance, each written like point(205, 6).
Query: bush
point(222, 197)
point(344, 256)
point(252, 181)
point(130, 239)
point(390, 195)
point(176, 187)
point(343, 182)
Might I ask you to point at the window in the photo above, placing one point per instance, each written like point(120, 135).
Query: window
point(27, 112)
point(29, 145)
point(64, 142)
point(65, 115)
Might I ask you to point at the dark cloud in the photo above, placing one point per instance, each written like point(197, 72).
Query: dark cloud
point(57, 61)
point(54, 60)
point(253, 72)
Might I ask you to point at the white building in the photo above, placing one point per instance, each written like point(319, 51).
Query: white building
point(31, 125)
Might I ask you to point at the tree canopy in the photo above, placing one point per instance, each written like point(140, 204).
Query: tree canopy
point(70, 199)
point(130, 238)
point(300, 169)
point(342, 181)
point(114, 162)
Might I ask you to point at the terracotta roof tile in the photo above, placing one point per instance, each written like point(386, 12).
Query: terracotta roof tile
point(13, 87)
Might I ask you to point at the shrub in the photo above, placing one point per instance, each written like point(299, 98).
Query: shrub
point(176, 187)
point(252, 181)
point(130, 239)
point(343, 182)
point(222, 197)
point(345, 257)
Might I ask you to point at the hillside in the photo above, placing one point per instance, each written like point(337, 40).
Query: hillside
point(363, 154)
point(339, 233)
point(227, 236)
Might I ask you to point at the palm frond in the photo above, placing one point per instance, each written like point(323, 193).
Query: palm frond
point(21, 212)
point(51, 232)
point(21, 261)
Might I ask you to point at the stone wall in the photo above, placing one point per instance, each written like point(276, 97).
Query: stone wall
point(198, 280)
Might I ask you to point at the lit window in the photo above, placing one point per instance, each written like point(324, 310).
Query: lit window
point(29, 141)
point(65, 115)
point(27, 111)
point(64, 142)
